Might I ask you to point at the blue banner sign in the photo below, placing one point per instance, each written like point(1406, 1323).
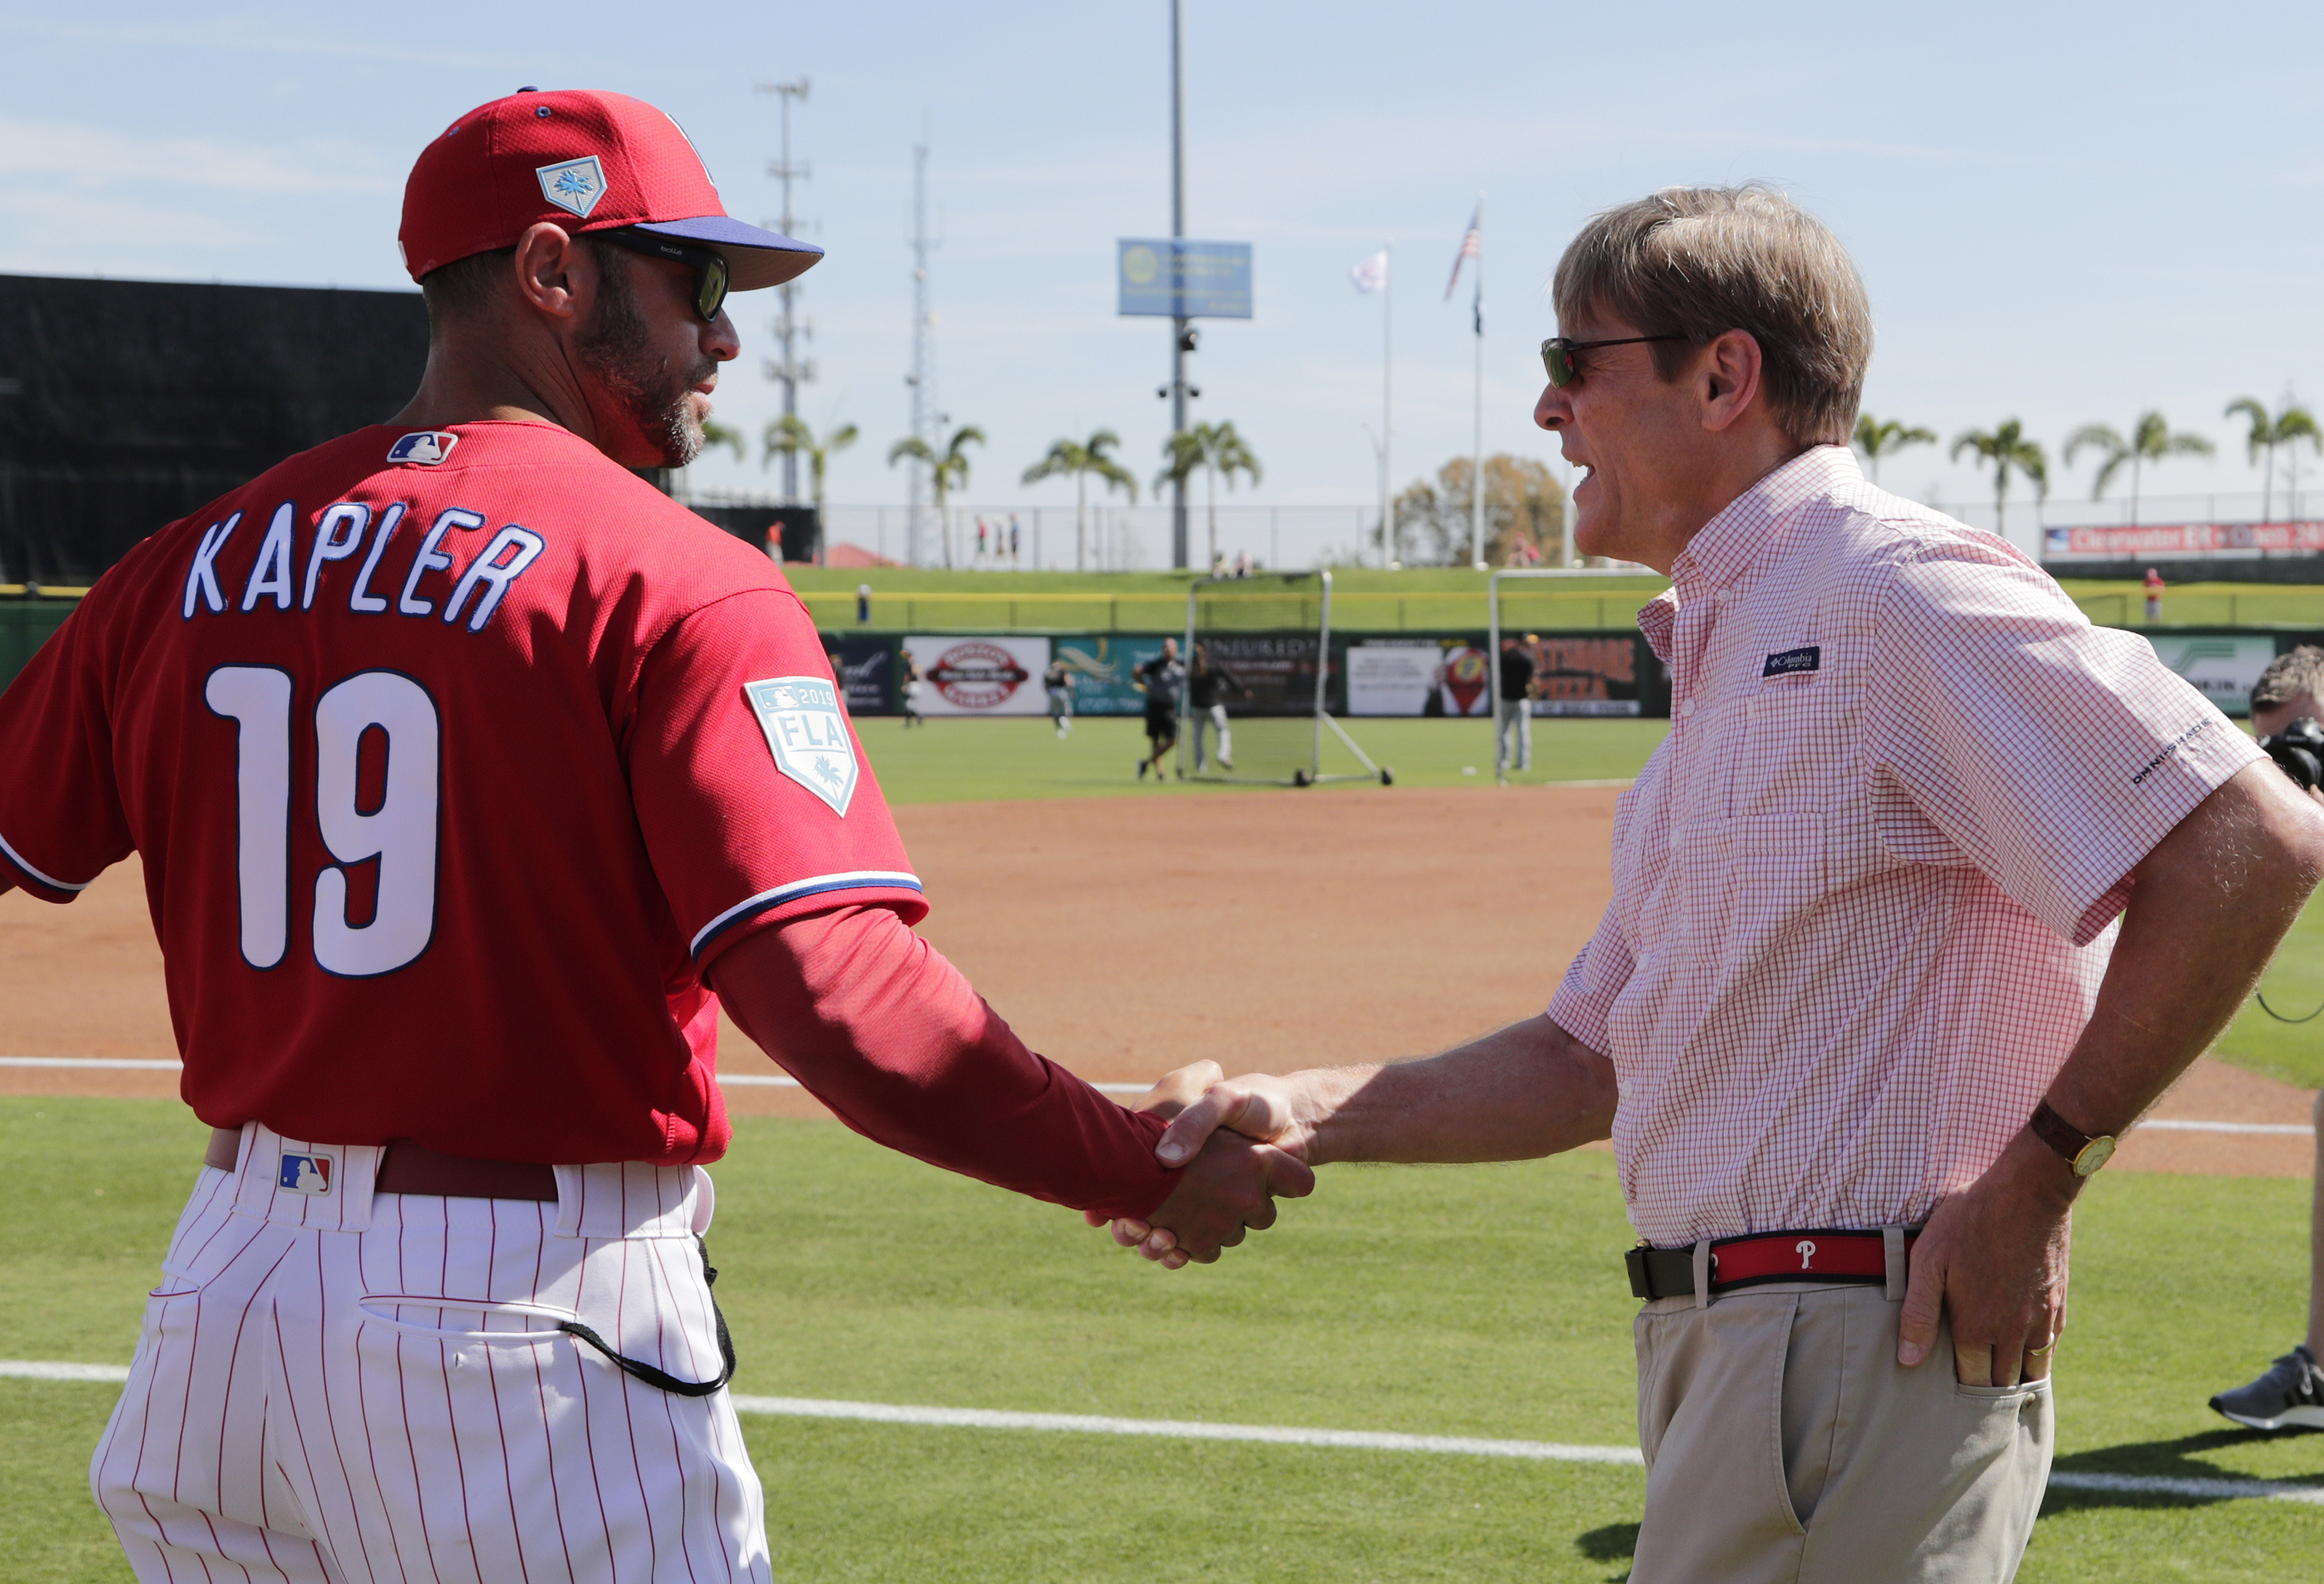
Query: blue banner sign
point(1184, 279)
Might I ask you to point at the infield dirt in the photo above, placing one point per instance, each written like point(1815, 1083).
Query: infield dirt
point(1123, 936)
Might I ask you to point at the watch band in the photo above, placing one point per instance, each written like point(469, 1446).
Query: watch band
point(2084, 1152)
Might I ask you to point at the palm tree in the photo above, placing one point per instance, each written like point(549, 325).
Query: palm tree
point(1878, 437)
point(715, 433)
point(2150, 440)
point(1216, 449)
point(788, 436)
point(2294, 424)
point(1082, 459)
point(947, 469)
point(2006, 446)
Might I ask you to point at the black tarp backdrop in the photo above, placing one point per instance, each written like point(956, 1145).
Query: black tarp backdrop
point(798, 529)
point(126, 404)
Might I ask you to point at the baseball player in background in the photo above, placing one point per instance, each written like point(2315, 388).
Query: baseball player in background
point(464, 767)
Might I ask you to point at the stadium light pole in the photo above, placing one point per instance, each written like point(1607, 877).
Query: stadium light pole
point(1178, 324)
point(787, 370)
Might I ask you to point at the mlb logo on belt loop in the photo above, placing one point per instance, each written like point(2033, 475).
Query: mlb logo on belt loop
point(304, 1173)
point(429, 448)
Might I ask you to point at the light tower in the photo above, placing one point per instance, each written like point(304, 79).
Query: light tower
point(1182, 335)
point(925, 419)
point(785, 368)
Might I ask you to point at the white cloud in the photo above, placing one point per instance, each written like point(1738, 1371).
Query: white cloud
point(87, 157)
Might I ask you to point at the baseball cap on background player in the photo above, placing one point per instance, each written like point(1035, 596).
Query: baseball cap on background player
point(587, 161)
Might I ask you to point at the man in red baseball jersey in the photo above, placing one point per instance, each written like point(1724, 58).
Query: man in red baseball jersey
point(463, 766)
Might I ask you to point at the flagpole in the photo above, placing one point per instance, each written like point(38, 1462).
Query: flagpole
point(1387, 401)
point(1477, 469)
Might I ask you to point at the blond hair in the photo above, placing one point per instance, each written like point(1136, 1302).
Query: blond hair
point(1702, 260)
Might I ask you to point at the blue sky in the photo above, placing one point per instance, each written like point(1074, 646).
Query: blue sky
point(2063, 213)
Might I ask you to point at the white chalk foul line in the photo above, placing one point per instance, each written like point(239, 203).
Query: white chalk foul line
point(94, 1063)
point(775, 1081)
point(1186, 1430)
point(2176, 1124)
point(39, 1369)
point(1371, 1441)
point(745, 1080)
point(2203, 1489)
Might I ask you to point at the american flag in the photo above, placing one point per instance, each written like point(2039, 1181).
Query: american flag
point(1472, 247)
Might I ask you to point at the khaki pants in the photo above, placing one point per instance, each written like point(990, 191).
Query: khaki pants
point(1783, 1441)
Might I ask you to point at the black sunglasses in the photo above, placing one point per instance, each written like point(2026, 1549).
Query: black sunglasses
point(709, 267)
point(1558, 355)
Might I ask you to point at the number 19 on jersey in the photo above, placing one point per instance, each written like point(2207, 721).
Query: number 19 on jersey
point(399, 828)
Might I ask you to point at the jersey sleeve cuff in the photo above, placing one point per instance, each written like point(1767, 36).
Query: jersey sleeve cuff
point(15, 866)
point(895, 888)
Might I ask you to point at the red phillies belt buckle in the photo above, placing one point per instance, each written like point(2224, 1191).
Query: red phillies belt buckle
point(1800, 1256)
point(1824, 1255)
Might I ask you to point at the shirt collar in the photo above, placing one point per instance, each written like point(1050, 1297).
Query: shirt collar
point(1725, 548)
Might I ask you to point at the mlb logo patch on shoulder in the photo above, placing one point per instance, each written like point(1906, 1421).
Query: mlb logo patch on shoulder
point(574, 186)
point(1792, 661)
point(304, 1173)
point(429, 448)
point(807, 735)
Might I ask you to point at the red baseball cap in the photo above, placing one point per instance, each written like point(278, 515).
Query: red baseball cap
point(587, 161)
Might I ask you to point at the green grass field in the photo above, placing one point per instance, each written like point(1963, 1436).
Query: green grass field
point(2294, 987)
point(1479, 1301)
point(952, 760)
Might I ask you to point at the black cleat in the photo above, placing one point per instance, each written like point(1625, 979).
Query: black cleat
point(2288, 1397)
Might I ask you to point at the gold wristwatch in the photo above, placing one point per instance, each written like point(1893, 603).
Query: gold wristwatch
point(2082, 1152)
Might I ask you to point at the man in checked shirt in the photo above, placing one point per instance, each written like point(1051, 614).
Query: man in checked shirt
point(1931, 889)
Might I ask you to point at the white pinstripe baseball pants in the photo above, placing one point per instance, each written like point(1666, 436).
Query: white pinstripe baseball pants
point(340, 1387)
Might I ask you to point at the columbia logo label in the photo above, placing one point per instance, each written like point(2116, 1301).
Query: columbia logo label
point(1808, 657)
point(304, 1173)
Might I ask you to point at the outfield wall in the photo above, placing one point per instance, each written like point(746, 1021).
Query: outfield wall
point(1583, 672)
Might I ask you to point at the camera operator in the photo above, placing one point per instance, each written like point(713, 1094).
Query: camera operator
point(2287, 716)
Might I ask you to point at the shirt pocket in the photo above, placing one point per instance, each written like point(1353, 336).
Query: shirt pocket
point(1744, 885)
point(1796, 748)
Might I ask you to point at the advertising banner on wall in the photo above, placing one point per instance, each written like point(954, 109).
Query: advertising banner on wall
point(1099, 668)
point(1596, 674)
point(1418, 677)
point(1265, 673)
point(865, 668)
point(2222, 667)
point(1392, 676)
point(2165, 541)
point(1574, 673)
point(980, 675)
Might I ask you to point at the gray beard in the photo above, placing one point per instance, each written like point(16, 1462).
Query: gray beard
point(617, 347)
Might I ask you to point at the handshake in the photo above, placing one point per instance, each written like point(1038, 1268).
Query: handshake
point(1242, 1144)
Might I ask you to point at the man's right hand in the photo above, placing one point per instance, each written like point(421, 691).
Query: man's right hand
point(1200, 1103)
point(1228, 1189)
point(1257, 1105)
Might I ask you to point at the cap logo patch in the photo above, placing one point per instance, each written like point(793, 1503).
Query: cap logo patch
point(807, 735)
point(574, 186)
point(429, 448)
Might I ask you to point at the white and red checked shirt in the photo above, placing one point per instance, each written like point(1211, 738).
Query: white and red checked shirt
point(1865, 891)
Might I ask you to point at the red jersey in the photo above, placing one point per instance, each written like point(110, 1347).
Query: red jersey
point(453, 757)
